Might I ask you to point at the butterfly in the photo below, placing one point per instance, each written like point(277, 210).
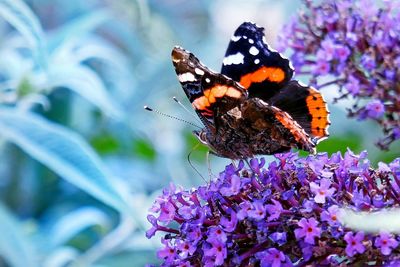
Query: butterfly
point(253, 107)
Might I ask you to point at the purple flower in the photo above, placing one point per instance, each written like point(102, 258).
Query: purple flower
point(390, 74)
point(216, 234)
point(279, 238)
point(322, 66)
point(255, 165)
point(328, 50)
point(331, 215)
point(354, 45)
point(281, 211)
point(152, 231)
point(342, 52)
point(351, 38)
point(298, 60)
point(386, 243)
point(353, 85)
point(308, 229)
point(229, 225)
point(368, 62)
point(308, 206)
point(167, 213)
point(187, 212)
point(322, 191)
point(378, 201)
point(375, 109)
point(233, 187)
point(168, 253)
point(354, 243)
point(274, 210)
point(258, 211)
point(185, 249)
point(360, 200)
point(307, 251)
point(271, 258)
point(217, 251)
point(193, 233)
point(244, 207)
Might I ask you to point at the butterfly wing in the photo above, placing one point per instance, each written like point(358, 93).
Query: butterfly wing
point(210, 93)
point(267, 75)
point(306, 106)
point(250, 61)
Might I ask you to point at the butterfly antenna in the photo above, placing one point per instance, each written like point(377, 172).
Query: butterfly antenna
point(183, 106)
point(170, 116)
point(191, 164)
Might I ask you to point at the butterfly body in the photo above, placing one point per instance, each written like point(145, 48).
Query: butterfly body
point(252, 107)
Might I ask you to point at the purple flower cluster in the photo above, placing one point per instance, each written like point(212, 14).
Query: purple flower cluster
point(285, 214)
point(355, 44)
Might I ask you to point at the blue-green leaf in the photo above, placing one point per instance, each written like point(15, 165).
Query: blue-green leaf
point(15, 248)
point(18, 14)
point(63, 151)
point(61, 257)
point(76, 221)
point(86, 83)
point(78, 27)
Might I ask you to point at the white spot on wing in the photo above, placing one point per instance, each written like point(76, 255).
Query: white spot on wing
point(244, 37)
point(186, 77)
point(251, 41)
point(235, 59)
point(254, 51)
point(207, 80)
point(256, 61)
point(235, 38)
point(198, 71)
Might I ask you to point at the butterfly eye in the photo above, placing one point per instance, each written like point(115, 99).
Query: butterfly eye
point(201, 136)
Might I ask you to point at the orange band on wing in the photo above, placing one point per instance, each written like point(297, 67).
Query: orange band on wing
point(210, 96)
point(271, 74)
point(299, 134)
point(319, 113)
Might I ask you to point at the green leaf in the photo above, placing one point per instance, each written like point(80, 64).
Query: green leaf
point(15, 248)
point(105, 143)
point(63, 151)
point(144, 149)
point(341, 143)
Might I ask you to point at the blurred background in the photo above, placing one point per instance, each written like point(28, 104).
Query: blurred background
point(81, 160)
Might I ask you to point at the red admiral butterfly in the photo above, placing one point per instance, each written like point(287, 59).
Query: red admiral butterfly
point(253, 106)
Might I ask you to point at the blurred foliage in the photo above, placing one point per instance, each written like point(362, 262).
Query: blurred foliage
point(81, 161)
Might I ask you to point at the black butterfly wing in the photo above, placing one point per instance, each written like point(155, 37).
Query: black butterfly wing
point(250, 61)
point(267, 75)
